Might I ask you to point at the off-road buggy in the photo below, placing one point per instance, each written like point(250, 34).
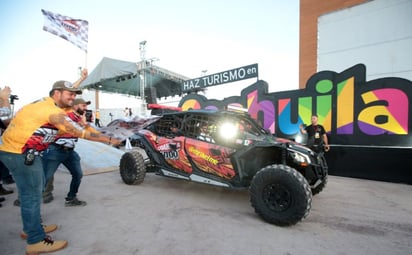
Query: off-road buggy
point(231, 150)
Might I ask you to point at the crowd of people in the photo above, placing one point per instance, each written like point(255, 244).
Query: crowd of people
point(41, 136)
point(5, 112)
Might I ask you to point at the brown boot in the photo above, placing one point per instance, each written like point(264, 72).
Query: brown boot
point(47, 229)
point(44, 246)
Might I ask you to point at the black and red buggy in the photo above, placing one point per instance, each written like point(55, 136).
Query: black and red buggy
point(230, 150)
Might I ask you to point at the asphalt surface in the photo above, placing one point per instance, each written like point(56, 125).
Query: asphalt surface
point(170, 216)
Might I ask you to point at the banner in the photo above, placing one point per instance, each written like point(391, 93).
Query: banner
point(72, 30)
point(124, 128)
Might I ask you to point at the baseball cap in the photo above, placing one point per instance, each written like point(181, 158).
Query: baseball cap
point(65, 85)
point(80, 101)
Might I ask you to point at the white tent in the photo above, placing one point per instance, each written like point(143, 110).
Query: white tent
point(123, 77)
point(116, 76)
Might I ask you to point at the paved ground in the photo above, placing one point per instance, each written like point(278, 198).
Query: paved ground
point(168, 216)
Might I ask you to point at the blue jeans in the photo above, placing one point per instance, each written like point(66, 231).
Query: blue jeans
point(55, 155)
point(4, 172)
point(30, 183)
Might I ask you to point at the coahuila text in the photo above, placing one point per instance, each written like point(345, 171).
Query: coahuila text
point(352, 110)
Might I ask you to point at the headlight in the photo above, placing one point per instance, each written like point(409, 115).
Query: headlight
point(228, 131)
point(300, 158)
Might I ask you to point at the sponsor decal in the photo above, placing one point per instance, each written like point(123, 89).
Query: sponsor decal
point(168, 152)
point(203, 155)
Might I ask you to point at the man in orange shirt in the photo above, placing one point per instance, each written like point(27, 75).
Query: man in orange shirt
point(29, 133)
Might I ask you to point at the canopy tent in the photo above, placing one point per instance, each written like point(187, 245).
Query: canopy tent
point(123, 77)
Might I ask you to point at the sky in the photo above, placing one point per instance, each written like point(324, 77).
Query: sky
point(187, 36)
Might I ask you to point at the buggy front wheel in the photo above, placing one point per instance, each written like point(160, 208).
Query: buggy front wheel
point(132, 168)
point(280, 195)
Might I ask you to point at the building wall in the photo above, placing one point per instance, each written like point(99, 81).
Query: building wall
point(310, 10)
point(336, 35)
point(377, 34)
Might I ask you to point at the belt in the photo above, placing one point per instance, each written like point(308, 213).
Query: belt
point(62, 147)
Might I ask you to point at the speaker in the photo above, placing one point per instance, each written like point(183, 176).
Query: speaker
point(150, 95)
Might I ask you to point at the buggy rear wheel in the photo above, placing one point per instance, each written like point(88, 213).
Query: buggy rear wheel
point(132, 168)
point(280, 195)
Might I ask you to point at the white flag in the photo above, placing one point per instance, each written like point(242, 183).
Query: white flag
point(128, 144)
point(72, 30)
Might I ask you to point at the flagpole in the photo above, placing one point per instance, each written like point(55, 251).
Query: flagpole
point(96, 92)
point(96, 98)
point(85, 59)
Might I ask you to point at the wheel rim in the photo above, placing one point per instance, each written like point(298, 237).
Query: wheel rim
point(277, 197)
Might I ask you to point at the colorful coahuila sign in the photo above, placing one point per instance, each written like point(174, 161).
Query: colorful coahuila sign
point(352, 110)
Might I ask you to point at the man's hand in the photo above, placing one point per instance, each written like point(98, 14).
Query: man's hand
point(83, 122)
point(302, 129)
point(115, 141)
point(5, 93)
point(4, 97)
point(83, 75)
